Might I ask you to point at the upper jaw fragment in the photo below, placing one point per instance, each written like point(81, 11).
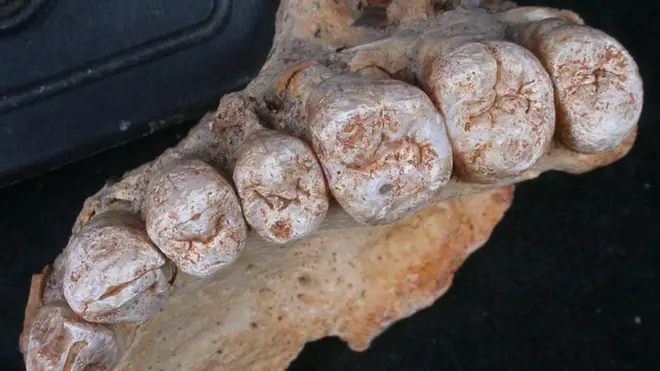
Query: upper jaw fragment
point(385, 148)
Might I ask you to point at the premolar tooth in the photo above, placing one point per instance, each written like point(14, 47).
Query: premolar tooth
point(193, 215)
point(365, 132)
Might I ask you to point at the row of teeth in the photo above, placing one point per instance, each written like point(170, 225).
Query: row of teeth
point(486, 111)
point(380, 147)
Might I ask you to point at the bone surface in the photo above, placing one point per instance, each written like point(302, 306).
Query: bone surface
point(400, 221)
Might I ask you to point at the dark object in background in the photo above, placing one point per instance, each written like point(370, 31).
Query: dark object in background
point(79, 76)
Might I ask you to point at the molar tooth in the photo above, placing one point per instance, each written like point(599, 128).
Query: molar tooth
point(382, 145)
point(598, 88)
point(498, 104)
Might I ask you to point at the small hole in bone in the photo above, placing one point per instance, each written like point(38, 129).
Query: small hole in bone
point(304, 280)
point(385, 188)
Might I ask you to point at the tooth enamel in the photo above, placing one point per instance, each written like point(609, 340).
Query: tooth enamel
point(597, 84)
point(369, 132)
point(113, 272)
point(498, 104)
point(60, 340)
point(194, 217)
point(281, 186)
point(598, 88)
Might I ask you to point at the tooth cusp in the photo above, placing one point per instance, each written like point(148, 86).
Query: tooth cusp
point(598, 88)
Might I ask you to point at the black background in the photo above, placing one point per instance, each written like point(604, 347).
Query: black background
point(81, 76)
point(568, 281)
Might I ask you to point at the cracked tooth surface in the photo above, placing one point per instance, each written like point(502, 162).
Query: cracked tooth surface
point(194, 217)
point(113, 272)
point(382, 145)
point(281, 186)
point(598, 88)
point(498, 104)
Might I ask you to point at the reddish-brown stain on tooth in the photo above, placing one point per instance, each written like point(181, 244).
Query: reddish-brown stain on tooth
point(593, 76)
point(60, 340)
point(282, 229)
point(370, 132)
point(281, 186)
point(111, 267)
point(498, 102)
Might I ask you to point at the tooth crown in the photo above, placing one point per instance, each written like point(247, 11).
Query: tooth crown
point(598, 89)
point(499, 107)
point(281, 186)
point(382, 145)
point(59, 340)
point(113, 272)
point(194, 217)
point(597, 84)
